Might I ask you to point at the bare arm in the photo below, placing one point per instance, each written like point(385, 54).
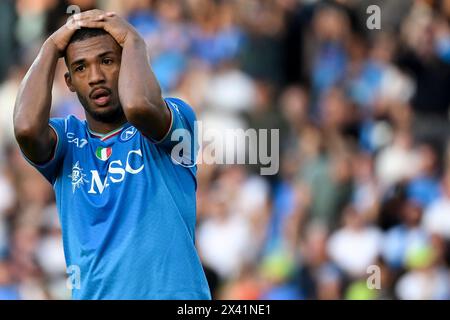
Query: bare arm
point(32, 108)
point(140, 93)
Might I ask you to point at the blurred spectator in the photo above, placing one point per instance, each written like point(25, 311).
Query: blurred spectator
point(8, 19)
point(427, 279)
point(397, 162)
point(331, 29)
point(225, 237)
point(8, 289)
point(402, 238)
point(356, 245)
point(317, 277)
point(436, 218)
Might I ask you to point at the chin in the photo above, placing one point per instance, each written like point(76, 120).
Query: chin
point(107, 114)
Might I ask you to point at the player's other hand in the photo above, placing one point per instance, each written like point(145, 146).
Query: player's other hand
point(61, 37)
point(116, 26)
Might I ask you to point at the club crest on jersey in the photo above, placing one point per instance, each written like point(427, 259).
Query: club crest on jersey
point(127, 134)
point(77, 176)
point(103, 153)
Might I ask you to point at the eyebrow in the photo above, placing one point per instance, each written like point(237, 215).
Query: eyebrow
point(79, 61)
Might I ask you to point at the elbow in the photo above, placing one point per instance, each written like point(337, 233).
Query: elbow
point(25, 131)
point(22, 132)
point(139, 109)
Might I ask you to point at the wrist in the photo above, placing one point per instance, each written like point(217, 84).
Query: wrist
point(133, 38)
point(50, 47)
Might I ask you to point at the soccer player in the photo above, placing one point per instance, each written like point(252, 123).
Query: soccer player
point(127, 210)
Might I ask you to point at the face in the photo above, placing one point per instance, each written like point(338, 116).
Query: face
point(94, 65)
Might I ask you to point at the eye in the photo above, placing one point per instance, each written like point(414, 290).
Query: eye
point(107, 61)
point(80, 68)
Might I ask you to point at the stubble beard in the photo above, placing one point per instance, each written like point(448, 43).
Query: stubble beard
point(113, 115)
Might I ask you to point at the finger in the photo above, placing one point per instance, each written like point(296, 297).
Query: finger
point(97, 17)
point(77, 19)
point(74, 21)
point(76, 16)
point(80, 17)
point(106, 15)
point(90, 18)
point(92, 24)
point(92, 14)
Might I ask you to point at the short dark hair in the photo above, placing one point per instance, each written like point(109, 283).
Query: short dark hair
point(83, 34)
point(86, 33)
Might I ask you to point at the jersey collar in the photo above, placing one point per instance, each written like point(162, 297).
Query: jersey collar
point(106, 136)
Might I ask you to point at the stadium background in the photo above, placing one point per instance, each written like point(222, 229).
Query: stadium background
point(364, 166)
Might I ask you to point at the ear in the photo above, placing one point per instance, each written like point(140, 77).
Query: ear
point(69, 82)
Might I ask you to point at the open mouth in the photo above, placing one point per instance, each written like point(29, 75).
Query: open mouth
point(101, 96)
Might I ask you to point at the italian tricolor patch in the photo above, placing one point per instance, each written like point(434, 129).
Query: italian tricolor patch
point(103, 153)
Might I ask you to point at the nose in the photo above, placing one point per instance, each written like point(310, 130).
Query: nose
point(96, 75)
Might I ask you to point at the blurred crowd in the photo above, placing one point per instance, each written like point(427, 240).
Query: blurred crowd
point(360, 208)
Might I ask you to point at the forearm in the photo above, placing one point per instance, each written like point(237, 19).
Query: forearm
point(138, 88)
point(32, 108)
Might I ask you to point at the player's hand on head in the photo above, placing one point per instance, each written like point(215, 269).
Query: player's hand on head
point(61, 37)
point(115, 25)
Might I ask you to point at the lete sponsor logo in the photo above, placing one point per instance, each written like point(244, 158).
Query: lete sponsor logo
point(117, 170)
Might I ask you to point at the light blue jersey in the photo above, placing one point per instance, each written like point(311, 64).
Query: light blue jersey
point(127, 211)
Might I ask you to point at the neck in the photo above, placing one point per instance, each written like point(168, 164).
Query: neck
point(104, 127)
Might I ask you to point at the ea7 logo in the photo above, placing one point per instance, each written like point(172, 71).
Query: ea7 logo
point(116, 172)
point(71, 138)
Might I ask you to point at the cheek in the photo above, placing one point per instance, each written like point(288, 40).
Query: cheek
point(113, 80)
point(81, 88)
point(78, 83)
point(114, 76)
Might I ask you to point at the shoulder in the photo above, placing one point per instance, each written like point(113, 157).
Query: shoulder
point(182, 107)
point(64, 125)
